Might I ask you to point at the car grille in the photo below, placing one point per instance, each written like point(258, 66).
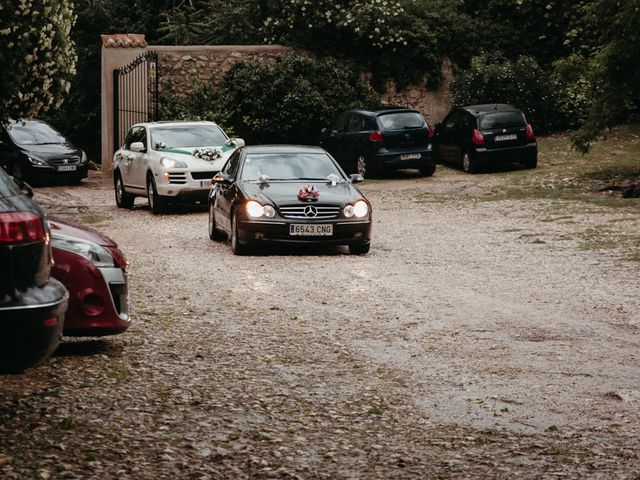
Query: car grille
point(178, 178)
point(65, 161)
point(202, 175)
point(298, 211)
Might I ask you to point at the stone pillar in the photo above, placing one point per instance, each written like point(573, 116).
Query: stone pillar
point(117, 51)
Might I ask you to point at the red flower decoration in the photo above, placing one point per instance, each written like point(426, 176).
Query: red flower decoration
point(308, 193)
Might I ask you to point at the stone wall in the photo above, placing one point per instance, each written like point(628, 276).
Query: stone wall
point(178, 67)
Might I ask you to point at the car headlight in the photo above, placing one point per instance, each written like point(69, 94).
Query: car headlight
point(83, 157)
point(93, 252)
point(256, 210)
point(168, 162)
point(36, 161)
point(359, 209)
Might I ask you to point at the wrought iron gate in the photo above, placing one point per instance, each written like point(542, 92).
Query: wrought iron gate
point(135, 95)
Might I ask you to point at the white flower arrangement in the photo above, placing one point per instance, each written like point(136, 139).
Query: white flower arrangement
point(207, 153)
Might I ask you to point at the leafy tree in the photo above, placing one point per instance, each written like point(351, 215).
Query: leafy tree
point(522, 83)
point(37, 56)
point(287, 101)
point(614, 69)
point(79, 118)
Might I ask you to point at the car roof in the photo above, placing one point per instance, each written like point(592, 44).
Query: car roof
point(375, 111)
point(283, 149)
point(490, 107)
point(173, 123)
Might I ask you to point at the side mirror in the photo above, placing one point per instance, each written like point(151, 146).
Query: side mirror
point(236, 142)
point(137, 147)
point(356, 178)
point(24, 186)
point(221, 179)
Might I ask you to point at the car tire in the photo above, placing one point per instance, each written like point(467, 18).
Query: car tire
point(214, 233)
point(236, 247)
point(156, 202)
point(428, 169)
point(530, 163)
point(359, 248)
point(123, 199)
point(361, 166)
point(468, 164)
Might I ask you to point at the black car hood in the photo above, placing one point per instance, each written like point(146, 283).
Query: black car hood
point(53, 150)
point(286, 193)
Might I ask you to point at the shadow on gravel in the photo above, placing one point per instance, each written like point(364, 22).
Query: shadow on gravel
point(297, 250)
point(87, 348)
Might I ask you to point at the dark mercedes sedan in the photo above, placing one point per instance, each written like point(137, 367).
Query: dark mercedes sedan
point(34, 151)
point(288, 194)
point(32, 305)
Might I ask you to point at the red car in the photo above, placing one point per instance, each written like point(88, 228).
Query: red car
point(94, 270)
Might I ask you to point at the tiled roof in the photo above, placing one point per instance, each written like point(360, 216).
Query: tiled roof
point(124, 40)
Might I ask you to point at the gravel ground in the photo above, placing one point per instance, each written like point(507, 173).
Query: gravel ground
point(478, 338)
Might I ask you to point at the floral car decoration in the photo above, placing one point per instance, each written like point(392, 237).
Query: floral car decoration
point(308, 193)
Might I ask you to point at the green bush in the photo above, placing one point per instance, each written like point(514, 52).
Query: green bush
point(287, 101)
point(521, 83)
point(573, 90)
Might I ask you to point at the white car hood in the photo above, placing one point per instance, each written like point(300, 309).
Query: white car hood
point(185, 154)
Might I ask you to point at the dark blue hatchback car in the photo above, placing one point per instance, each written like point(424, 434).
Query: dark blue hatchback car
point(369, 141)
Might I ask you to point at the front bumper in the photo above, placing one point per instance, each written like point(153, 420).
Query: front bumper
point(98, 297)
point(398, 159)
point(48, 173)
point(31, 326)
point(181, 186)
point(526, 153)
point(345, 232)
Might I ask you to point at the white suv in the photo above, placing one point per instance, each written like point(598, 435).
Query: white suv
point(170, 161)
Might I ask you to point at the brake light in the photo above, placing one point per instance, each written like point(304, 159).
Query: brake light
point(531, 137)
point(50, 322)
point(478, 138)
point(375, 136)
point(431, 132)
point(20, 227)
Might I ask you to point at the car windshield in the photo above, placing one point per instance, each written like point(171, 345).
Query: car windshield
point(33, 132)
point(289, 166)
point(187, 136)
point(398, 121)
point(8, 187)
point(501, 120)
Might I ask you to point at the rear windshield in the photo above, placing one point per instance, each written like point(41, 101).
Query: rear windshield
point(398, 121)
point(8, 187)
point(501, 120)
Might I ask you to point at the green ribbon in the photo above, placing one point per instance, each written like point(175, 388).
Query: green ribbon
point(224, 149)
point(176, 150)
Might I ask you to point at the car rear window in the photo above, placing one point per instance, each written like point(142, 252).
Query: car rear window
point(8, 187)
point(400, 120)
point(501, 120)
